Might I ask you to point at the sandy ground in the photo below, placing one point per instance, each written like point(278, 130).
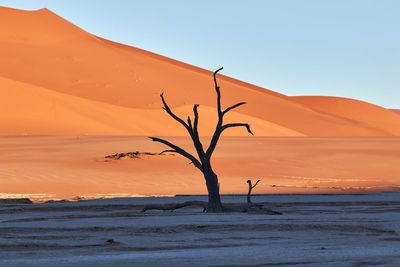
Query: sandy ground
point(67, 167)
point(314, 230)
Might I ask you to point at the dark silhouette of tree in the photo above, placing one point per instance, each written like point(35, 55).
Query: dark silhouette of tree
point(249, 193)
point(203, 159)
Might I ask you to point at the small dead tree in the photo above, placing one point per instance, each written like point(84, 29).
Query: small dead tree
point(203, 159)
point(249, 203)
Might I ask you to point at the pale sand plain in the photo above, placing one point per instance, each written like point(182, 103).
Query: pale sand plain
point(71, 166)
point(314, 230)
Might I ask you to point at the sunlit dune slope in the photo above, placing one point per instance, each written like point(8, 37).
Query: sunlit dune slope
point(105, 87)
point(362, 113)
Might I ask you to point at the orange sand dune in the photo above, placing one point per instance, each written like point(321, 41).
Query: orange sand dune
point(360, 112)
point(103, 87)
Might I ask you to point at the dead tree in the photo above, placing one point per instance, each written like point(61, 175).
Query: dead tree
point(249, 203)
point(203, 159)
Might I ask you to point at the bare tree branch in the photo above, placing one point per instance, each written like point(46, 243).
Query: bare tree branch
point(196, 118)
point(220, 127)
point(232, 107)
point(167, 150)
point(255, 184)
point(218, 93)
point(217, 133)
point(179, 151)
point(231, 125)
point(190, 125)
point(169, 111)
point(195, 137)
point(192, 130)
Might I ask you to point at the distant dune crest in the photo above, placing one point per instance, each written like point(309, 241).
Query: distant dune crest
point(56, 78)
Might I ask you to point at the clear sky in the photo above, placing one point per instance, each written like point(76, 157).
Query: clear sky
point(347, 48)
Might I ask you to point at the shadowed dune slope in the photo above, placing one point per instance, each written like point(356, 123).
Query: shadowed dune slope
point(56, 113)
point(103, 87)
point(396, 111)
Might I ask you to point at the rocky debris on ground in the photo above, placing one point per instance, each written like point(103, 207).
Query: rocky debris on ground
point(57, 201)
point(15, 201)
point(132, 155)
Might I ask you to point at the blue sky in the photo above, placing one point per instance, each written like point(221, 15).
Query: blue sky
point(347, 48)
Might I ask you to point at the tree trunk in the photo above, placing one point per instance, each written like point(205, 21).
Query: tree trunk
point(214, 200)
point(248, 198)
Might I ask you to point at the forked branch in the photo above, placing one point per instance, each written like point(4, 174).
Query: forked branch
point(220, 127)
point(249, 193)
point(191, 128)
